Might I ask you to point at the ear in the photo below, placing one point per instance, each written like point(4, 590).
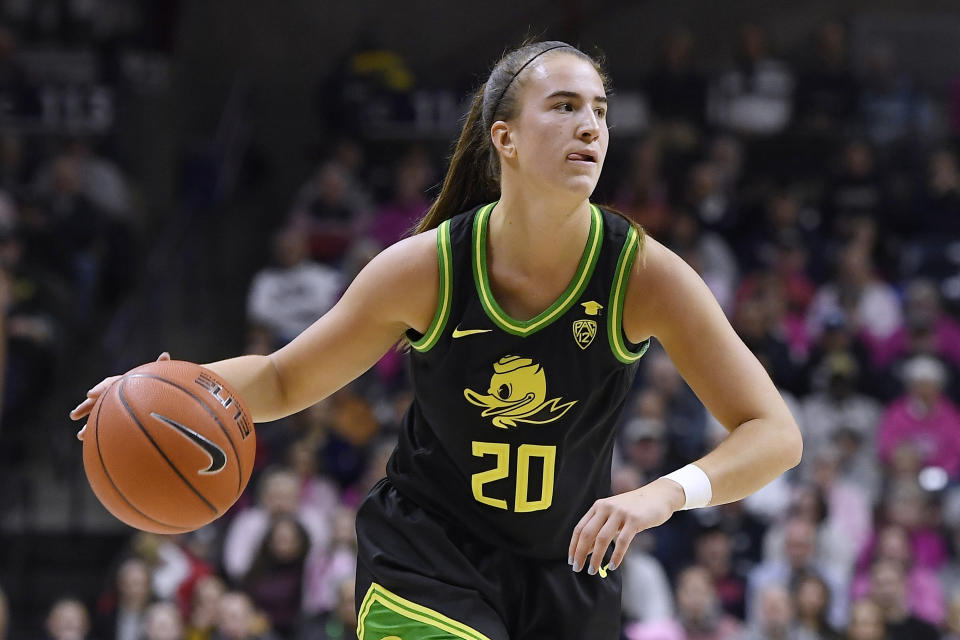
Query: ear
point(502, 139)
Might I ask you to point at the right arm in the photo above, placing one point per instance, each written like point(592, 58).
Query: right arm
point(396, 291)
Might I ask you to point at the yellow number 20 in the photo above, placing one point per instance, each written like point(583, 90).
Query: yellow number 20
point(525, 452)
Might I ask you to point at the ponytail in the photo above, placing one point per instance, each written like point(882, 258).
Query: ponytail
point(473, 177)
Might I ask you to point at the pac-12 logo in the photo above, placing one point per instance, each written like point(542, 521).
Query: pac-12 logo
point(518, 393)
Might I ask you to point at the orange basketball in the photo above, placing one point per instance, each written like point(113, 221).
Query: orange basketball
point(169, 447)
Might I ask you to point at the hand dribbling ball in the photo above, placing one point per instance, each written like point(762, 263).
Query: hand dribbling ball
point(169, 447)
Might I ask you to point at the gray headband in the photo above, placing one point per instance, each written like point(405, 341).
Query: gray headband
point(496, 104)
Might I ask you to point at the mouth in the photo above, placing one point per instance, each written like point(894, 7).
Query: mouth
point(583, 157)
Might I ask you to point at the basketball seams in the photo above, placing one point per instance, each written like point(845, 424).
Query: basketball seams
point(106, 472)
point(213, 414)
point(163, 454)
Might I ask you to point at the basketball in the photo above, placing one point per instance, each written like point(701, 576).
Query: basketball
point(169, 447)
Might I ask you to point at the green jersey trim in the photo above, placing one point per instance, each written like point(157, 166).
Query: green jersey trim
point(588, 261)
point(433, 332)
point(617, 295)
point(407, 611)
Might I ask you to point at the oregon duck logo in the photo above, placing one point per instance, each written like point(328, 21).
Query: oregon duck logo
point(518, 393)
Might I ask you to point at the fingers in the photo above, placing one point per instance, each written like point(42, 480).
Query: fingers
point(81, 433)
point(164, 356)
point(627, 533)
point(607, 532)
point(587, 538)
point(575, 538)
point(83, 409)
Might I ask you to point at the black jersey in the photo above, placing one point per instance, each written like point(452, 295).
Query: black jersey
point(511, 430)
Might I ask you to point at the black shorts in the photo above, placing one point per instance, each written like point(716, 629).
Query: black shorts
point(419, 577)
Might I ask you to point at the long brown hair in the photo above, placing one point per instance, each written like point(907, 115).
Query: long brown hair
point(474, 174)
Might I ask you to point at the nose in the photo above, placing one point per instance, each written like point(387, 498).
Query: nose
point(589, 129)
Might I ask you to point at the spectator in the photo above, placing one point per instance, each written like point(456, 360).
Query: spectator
point(952, 624)
point(888, 591)
point(237, 619)
point(162, 622)
point(685, 416)
point(329, 567)
point(857, 190)
point(922, 311)
point(799, 555)
point(646, 590)
point(894, 108)
point(866, 621)
point(340, 622)
point(326, 212)
point(123, 618)
point(203, 608)
point(714, 552)
point(775, 618)
point(811, 601)
point(709, 196)
point(643, 196)
point(924, 418)
point(755, 97)
point(68, 620)
point(847, 503)
point(400, 215)
point(699, 615)
point(677, 92)
point(835, 405)
point(827, 90)
point(708, 253)
point(925, 598)
point(279, 496)
point(857, 291)
point(289, 296)
point(645, 448)
point(317, 491)
point(275, 579)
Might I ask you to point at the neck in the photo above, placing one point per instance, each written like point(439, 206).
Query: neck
point(533, 234)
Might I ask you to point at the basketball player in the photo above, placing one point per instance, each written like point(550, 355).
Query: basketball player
point(526, 308)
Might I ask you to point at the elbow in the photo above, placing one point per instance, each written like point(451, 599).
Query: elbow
point(792, 447)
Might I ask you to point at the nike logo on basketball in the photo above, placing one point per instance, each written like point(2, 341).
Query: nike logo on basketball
point(458, 333)
point(218, 459)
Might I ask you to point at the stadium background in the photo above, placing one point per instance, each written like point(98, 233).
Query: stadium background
point(150, 152)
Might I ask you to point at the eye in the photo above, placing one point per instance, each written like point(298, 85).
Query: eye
point(564, 106)
point(601, 112)
point(504, 391)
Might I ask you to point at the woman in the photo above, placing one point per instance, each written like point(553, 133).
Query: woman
point(526, 317)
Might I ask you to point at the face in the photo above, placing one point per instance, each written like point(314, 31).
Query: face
point(285, 541)
point(163, 622)
point(799, 543)
point(234, 616)
point(886, 585)
point(866, 623)
point(562, 114)
point(68, 621)
point(695, 593)
point(811, 598)
point(133, 582)
point(776, 612)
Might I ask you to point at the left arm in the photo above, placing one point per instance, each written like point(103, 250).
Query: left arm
point(668, 300)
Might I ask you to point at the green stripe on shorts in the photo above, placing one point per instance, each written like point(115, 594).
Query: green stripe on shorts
point(386, 616)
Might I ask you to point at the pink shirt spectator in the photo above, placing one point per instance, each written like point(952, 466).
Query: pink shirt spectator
point(935, 432)
point(946, 336)
point(925, 595)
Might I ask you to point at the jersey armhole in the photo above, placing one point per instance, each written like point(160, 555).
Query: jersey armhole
point(429, 338)
point(623, 351)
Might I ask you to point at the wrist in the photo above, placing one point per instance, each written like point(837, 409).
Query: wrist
point(695, 485)
point(676, 497)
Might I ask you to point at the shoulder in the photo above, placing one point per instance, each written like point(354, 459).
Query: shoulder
point(660, 285)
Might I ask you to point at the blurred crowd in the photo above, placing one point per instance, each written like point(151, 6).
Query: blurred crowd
point(821, 205)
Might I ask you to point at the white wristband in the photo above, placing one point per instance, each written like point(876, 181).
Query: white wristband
point(696, 486)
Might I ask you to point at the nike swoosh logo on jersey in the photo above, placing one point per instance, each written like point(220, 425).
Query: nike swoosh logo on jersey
point(218, 459)
point(603, 571)
point(457, 333)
